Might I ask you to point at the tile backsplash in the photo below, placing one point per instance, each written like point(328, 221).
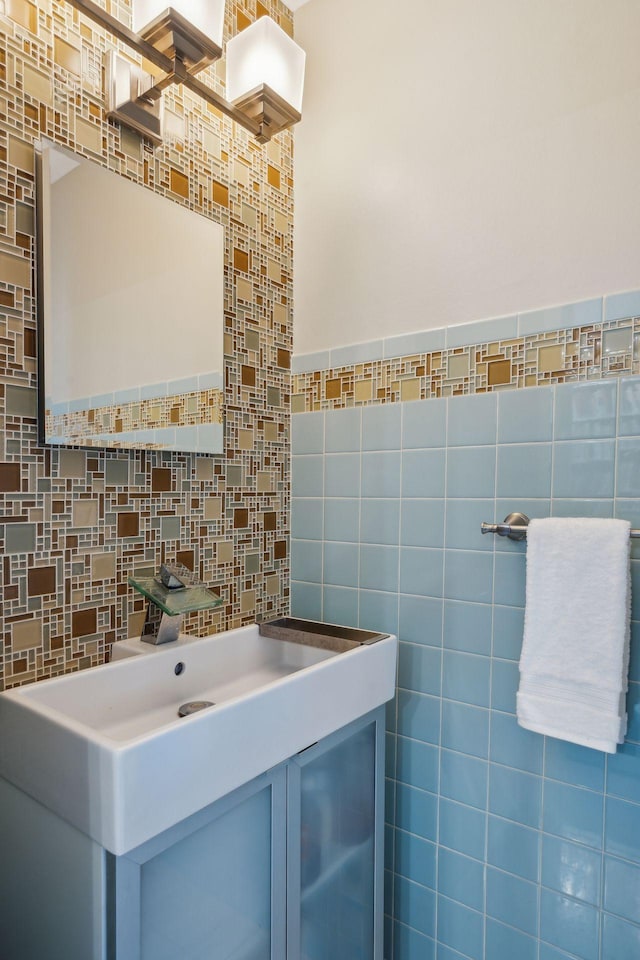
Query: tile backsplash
point(500, 843)
point(74, 523)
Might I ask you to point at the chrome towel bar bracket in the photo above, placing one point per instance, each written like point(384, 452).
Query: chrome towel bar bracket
point(515, 527)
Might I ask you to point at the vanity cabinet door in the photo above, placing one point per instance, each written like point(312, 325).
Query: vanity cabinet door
point(335, 822)
point(211, 887)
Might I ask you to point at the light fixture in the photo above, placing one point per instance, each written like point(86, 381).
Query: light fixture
point(265, 67)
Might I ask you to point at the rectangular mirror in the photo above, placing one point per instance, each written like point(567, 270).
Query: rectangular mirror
point(131, 317)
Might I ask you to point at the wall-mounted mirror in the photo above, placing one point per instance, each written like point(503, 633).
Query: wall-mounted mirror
point(131, 320)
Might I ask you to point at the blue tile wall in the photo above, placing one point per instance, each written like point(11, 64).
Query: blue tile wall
point(500, 843)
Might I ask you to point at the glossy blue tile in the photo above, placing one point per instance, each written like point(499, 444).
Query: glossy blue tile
point(634, 665)
point(406, 344)
point(524, 470)
point(417, 764)
point(378, 611)
point(471, 472)
point(628, 467)
point(306, 560)
point(509, 579)
point(306, 519)
point(390, 754)
point(514, 746)
point(342, 520)
point(419, 668)
point(341, 475)
point(515, 795)
point(629, 412)
point(462, 828)
point(548, 952)
point(620, 940)
point(389, 802)
point(421, 571)
point(382, 426)
point(340, 605)
point(525, 416)
point(424, 424)
point(583, 508)
point(415, 859)
point(508, 631)
point(415, 906)
point(461, 878)
point(512, 900)
point(468, 575)
point(408, 943)
point(472, 420)
point(622, 888)
point(623, 773)
point(306, 476)
point(622, 834)
point(422, 523)
point(635, 614)
point(342, 430)
point(571, 869)
point(460, 928)
point(421, 620)
point(465, 728)
point(467, 626)
point(419, 716)
point(423, 473)
point(583, 313)
point(306, 600)
point(378, 567)
point(513, 848)
point(380, 521)
point(466, 677)
point(308, 362)
point(482, 331)
point(574, 764)
point(505, 678)
point(381, 474)
point(586, 411)
point(446, 953)
point(619, 306)
point(568, 924)
point(340, 564)
point(307, 433)
point(506, 943)
point(573, 813)
point(584, 468)
point(463, 524)
point(464, 779)
point(356, 353)
point(417, 811)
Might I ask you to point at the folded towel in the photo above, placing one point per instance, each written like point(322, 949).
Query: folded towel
point(575, 653)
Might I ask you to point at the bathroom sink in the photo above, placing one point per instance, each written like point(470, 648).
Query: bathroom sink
point(106, 749)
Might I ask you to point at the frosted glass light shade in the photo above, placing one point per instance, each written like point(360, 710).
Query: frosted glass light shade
point(264, 54)
point(206, 15)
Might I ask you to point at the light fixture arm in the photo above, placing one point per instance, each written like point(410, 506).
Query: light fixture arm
point(122, 32)
point(134, 97)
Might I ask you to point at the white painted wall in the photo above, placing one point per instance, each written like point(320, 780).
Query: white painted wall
point(460, 160)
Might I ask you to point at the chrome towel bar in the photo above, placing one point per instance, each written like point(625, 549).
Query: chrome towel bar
point(515, 527)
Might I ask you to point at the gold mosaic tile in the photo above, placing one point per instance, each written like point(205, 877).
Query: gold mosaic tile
point(559, 356)
point(79, 521)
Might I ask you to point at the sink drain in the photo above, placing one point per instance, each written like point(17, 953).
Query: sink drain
point(193, 706)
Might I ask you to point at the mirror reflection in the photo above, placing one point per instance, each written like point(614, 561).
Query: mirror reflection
point(131, 292)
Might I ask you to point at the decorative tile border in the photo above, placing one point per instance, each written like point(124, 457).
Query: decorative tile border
point(83, 427)
point(611, 348)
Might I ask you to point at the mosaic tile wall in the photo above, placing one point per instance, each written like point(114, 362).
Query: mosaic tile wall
point(609, 348)
point(74, 523)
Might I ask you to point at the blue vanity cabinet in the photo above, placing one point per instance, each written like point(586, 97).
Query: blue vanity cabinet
point(286, 867)
point(335, 845)
point(211, 886)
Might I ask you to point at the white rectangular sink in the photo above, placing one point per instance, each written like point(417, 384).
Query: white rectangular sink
point(106, 750)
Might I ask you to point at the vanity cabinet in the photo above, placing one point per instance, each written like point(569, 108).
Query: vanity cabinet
point(287, 867)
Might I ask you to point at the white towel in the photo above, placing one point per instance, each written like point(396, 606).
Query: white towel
point(575, 653)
